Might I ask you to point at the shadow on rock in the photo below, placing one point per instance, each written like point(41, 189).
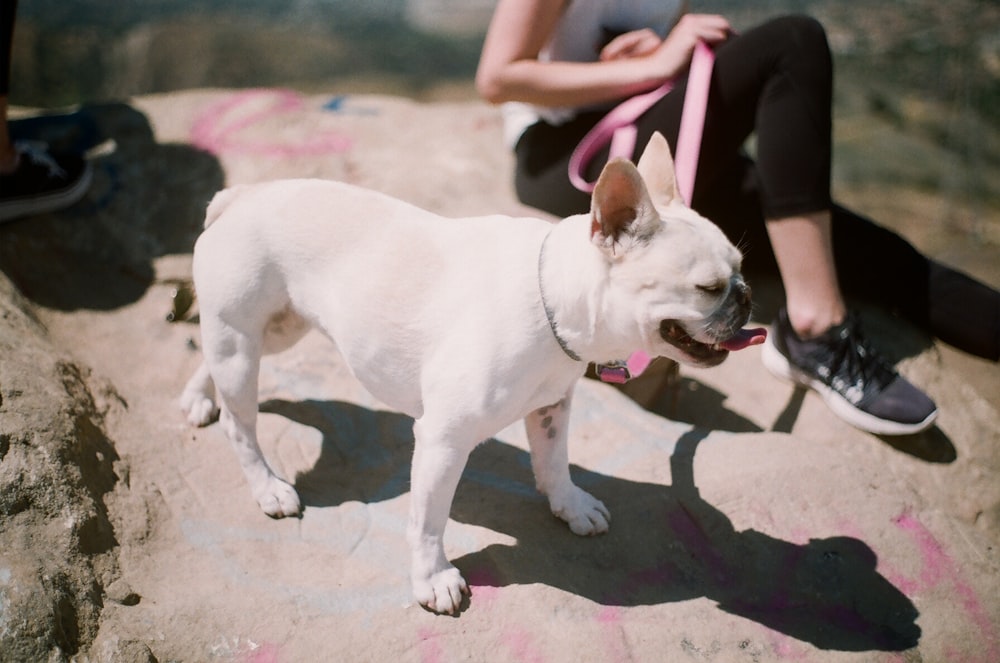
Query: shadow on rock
point(365, 453)
point(696, 403)
point(931, 445)
point(666, 544)
point(147, 200)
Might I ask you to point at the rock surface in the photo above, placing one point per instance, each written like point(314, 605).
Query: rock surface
point(747, 522)
point(56, 467)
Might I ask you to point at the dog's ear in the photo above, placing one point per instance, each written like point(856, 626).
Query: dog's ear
point(621, 207)
point(656, 166)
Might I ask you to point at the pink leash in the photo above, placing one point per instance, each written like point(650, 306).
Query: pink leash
point(617, 129)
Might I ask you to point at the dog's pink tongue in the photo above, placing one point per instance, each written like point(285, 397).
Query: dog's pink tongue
point(744, 338)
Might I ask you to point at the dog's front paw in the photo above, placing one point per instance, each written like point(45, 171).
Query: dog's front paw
point(585, 514)
point(278, 499)
point(442, 592)
point(199, 408)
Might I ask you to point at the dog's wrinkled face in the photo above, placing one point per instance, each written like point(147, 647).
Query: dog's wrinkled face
point(708, 342)
point(677, 270)
point(692, 299)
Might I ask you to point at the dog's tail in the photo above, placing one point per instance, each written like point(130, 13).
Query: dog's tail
point(219, 203)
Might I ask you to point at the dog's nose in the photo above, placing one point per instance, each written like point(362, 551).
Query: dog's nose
point(743, 293)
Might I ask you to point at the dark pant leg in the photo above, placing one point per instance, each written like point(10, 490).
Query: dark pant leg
point(877, 264)
point(541, 174)
point(8, 10)
point(774, 81)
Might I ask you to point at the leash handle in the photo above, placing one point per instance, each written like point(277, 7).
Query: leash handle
point(693, 119)
point(617, 128)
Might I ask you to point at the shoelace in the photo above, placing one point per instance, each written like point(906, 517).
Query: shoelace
point(854, 358)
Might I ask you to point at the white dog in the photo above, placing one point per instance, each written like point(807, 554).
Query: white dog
point(466, 325)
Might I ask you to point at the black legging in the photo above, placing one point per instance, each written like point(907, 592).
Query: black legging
point(776, 81)
point(8, 8)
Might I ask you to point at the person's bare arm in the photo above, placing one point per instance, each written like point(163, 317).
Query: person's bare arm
point(509, 69)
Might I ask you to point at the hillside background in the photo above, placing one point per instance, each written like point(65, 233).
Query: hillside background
point(918, 81)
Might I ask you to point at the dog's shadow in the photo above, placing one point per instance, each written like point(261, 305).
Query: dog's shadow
point(666, 543)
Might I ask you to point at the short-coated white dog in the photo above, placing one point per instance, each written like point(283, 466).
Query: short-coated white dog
point(466, 325)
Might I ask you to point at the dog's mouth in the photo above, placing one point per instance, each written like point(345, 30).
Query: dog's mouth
point(709, 353)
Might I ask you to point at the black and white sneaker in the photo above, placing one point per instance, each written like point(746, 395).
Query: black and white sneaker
point(42, 183)
point(859, 386)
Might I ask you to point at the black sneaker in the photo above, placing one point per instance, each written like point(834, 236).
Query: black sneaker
point(42, 183)
point(856, 383)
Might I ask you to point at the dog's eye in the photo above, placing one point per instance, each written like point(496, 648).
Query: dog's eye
point(713, 288)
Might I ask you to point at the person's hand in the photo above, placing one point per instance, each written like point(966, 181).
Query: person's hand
point(674, 54)
point(631, 45)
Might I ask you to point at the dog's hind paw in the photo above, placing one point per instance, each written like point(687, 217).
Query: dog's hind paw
point(200, 409)
point(585, 514)
point(278, 498)
point(442, 592)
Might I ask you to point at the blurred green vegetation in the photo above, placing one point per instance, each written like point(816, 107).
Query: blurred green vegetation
point(917, 81)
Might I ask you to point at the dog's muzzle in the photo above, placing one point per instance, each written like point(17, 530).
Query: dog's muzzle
point(724, 327)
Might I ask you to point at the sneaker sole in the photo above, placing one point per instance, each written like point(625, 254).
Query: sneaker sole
point(778, 365)
point(50, 203)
